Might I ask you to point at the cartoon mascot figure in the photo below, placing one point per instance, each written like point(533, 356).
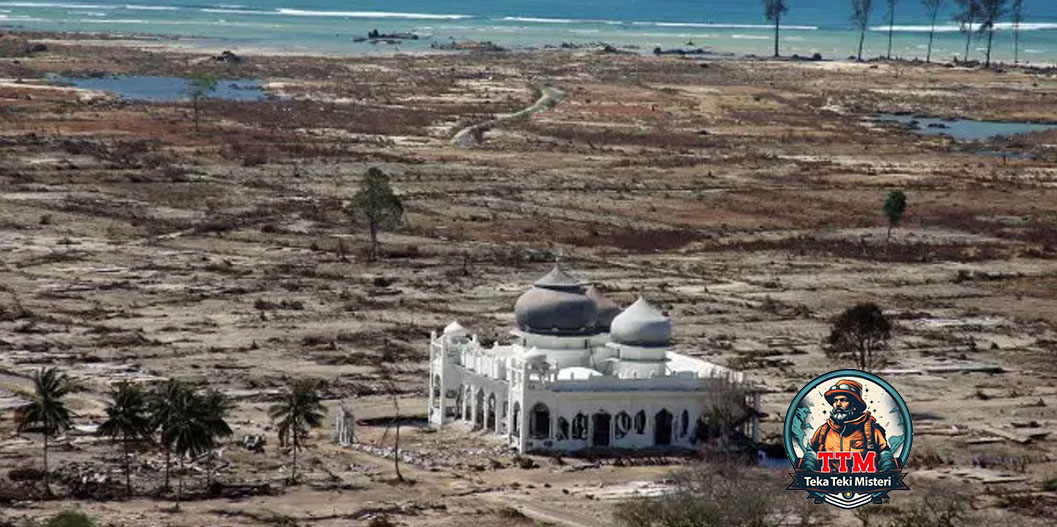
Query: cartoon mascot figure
point(850, 428)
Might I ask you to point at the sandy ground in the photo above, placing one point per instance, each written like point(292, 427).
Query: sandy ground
point(744, 197)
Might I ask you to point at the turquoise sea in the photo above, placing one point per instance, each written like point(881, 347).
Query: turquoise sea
point(726, 26)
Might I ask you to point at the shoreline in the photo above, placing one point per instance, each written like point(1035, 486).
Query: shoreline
point(197, 44)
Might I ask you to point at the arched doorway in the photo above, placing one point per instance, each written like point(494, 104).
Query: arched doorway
point(436, 391)
point(479, 408)
point(662, 428)
point(460, 399)
point(489, 418)
point(601, 426)
point(515, 426)
point(540, 422)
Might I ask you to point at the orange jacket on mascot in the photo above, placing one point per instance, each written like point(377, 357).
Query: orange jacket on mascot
point(850, 427)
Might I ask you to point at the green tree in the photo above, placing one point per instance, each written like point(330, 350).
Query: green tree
point(891, 25)
point(894, 207)
point(1017, 11)
point(299, 410)
point(932, 9)
point(46, 412)
point(860, 16)
point(773, 10)
point(380, 207)
point(215, 409)
point(199, 86)
point(127, 420)
point(990, 12)
point(860, 334)
point(968, 15)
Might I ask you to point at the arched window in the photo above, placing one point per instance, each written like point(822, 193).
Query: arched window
point(540, 422)
point(623, 425)
point(684, 423)
point(640, 422)
point(580, 426)
point(563, 429)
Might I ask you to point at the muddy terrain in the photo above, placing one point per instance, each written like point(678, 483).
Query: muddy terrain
point(744, 197)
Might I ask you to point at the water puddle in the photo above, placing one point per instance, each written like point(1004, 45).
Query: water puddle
point(964, 129)
point(156, 88)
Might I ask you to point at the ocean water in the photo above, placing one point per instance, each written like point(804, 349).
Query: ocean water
point(726, 26)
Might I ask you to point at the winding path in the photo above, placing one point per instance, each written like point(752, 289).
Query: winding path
point(549, 99)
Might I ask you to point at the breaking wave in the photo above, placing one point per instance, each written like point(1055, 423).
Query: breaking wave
point(369, 14)
point(951, 28)
point(710, 25)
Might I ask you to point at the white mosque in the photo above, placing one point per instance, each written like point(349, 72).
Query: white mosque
point(580, 373)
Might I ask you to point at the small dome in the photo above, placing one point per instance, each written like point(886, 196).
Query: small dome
point(641, 324)
point(607, 309)
point(577, 373)
point(556, 305)
point(455, 329)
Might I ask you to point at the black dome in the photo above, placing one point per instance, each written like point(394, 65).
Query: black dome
point(556, 305)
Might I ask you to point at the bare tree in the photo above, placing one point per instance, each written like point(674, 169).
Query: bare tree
point(860, 16)
point(932, 9)
point(990, 12)
point(967, 16)
point(860, 334)
point(1017, 10)
point(773, 10)
point(891, 24)
point(389, 381)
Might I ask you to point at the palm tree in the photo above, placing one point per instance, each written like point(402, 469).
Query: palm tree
point(128, 420)
point(47, 412)
point(161, 411)
point(773, 11)
point(215, 408)
point(298, 410)
point(186, 432)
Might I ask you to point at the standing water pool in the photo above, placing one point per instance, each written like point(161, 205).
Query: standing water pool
point(156, 88)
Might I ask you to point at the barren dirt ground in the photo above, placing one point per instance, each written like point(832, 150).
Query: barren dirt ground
point(742, 196)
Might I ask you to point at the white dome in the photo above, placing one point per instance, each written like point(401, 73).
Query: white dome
point(641, 324)
point(577, 373)
point(454, 329)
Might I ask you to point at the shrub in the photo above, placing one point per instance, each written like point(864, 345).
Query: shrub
point(70, 519)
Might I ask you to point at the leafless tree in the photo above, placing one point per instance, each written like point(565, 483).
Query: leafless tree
point(861, 10)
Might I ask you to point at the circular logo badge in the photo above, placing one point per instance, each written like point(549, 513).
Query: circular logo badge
point(848, 435)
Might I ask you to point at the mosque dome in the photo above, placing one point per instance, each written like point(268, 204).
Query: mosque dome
point(607, 309)
point(556, 305)
point(455, 329)
point(641, 324)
